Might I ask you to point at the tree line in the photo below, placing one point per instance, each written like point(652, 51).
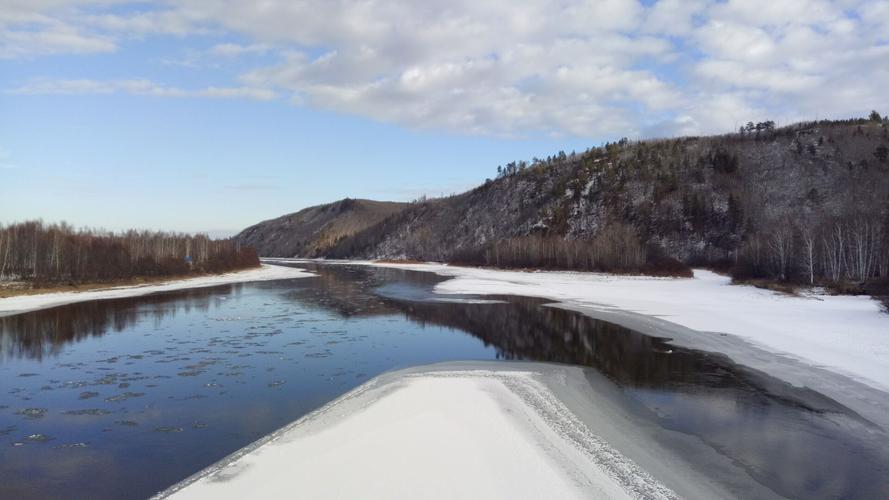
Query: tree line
point(822, 249)
point(693, 196)
point(45, 253)
point(614, 248)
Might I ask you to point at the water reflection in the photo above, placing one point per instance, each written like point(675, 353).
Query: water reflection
point(208, 370)
point(43, 333)
point(519, 328)
point(793, 440)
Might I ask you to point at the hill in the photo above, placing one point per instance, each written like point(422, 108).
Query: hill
point(807, 202)
point(313, 231)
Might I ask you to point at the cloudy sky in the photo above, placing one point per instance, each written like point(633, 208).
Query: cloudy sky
point(213, 114)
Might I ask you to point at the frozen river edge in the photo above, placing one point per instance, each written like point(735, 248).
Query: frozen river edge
point(835, 345)
point(473, 430)
point(266, 272)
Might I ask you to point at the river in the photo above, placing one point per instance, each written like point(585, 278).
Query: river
point(122, 398)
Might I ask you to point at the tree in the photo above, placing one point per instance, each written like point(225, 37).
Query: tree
point(724, 162)
point(809, 240)
point(781, 248)
point(875, 117)
point(766, 126)
point(834, 245)
point(52, 253)
point(865, 236)
point(5, 244)
point(735, 213)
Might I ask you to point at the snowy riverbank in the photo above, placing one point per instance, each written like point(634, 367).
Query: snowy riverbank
point(473, 431)
point(530, 430)
point(848, 335)
point(24, 303)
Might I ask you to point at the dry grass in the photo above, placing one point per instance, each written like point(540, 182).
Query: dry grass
point(775, 286)
point(878, 289)
point(399, 261)
point(20, 288)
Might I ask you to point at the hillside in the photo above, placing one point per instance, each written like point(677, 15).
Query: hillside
point(801, 202)
point(312, 231)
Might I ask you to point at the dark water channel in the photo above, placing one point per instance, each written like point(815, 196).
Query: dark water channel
point(122, 398)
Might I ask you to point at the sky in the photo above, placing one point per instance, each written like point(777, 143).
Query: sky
point(211, 115)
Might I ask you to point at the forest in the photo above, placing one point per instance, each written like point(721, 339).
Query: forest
point(41, 254)
point(616, 248)
point(802, 204)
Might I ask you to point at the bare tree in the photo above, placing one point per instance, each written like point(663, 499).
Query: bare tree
point(35, 251)
point(834, 244)
point(808, 238)
point(781, 247)
point(864, 251)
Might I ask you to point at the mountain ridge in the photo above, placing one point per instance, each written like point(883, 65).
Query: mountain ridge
point(767, 199)
point(311, 231)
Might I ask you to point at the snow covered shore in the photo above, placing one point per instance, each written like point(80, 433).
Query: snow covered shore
point(24, 303)
point(463, 433)
point(848, 335)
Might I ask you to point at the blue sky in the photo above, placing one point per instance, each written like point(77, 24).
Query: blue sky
point(210, 115)
point(191, 164)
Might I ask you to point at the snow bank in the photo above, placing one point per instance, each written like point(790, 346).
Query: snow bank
point(848, 335)
point(449, 435)
point(24, 303)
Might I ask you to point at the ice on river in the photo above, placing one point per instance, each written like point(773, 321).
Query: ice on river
point(844, 334)
point(23, 303)
point(449, 435)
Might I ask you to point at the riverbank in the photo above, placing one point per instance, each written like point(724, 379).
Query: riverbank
point(472, 430)
point(847, 335)
point(32, 302)
point(10, 289)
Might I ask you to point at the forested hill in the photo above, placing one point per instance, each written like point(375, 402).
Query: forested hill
point(312, 231)
point(805, 202)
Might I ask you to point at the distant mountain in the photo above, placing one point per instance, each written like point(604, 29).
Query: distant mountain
point(801, 202)
point(311, 232)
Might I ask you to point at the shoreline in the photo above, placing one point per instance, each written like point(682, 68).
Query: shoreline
point(836, 345)
point(406, 432)
point(808, 328)
point(97, 286)
point(33, 302)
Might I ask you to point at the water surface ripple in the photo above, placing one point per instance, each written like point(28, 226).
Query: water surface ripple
point(122, 398)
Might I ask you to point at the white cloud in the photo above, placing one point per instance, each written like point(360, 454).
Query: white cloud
point(720, 112)
point(164, 22)
point(137, 87)
point(673, 17)
point(259, 94)
point(777, 79)
point(468, 66)
point(604, 68)
point(53, 38)
point(772, 13)
point(30, 28)
point(235, 49)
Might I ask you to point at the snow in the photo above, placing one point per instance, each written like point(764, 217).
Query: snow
point(448, 435)
point(848, 335)
point(24, 303)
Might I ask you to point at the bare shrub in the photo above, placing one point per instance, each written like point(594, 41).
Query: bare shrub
point(615, 248)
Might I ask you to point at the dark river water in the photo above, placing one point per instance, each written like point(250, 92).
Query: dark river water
point(123, 398)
